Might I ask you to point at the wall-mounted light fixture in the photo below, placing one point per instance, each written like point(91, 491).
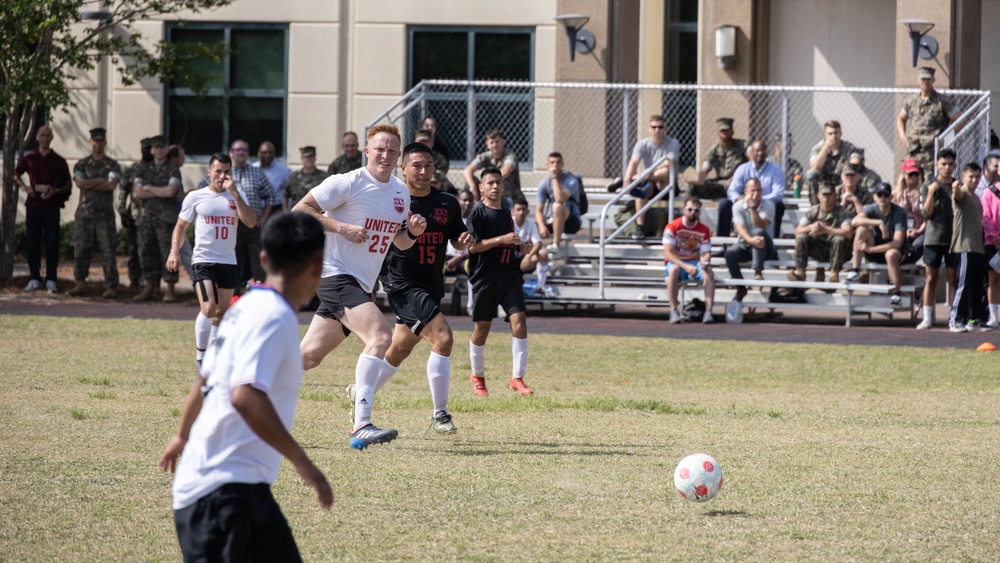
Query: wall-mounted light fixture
point(102, 16)
point(580, 40)
point(921, 44)
point(725, 45)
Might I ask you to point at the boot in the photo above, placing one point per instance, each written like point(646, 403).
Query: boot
point(797, 275)
point(110, 293)
point(77, 290)
point(169, 296)
point(148, 292)
point(820, 275)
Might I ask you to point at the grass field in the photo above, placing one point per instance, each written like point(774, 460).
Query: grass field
point(829, 453)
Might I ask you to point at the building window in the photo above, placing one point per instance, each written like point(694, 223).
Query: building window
point(247, 89)
point(681, 67)
point(477, 53)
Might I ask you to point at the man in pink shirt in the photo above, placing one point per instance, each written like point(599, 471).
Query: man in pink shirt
point(687, 251)
point(991, 234)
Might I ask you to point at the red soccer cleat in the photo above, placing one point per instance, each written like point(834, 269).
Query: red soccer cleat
point(517, 384)
point(479, 385)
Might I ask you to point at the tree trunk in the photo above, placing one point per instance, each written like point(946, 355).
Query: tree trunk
point(18, 126)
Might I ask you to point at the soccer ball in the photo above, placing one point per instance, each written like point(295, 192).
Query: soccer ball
point(698, 477)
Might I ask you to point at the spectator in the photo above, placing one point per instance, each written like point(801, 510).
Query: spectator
point(881, 234)
point(827, 158)
point(177, 157)
point(991, 235)
point(931, 114)
point(967, 245)
point(531, 258)
point(441, 163)
point(935, 202)
point(867, 178)
point(351, 159)
point(772, 183)
point(990, 175)
point(48, 184)
point(752, 221)
point(852, 196)
point(303, 180)
point(823, 234)
point(155, 190)
point(687, 249)
point(722, 158)
point(261, 197)
point(907, 195)
point(647, 151)
point(558, 209)
point(430, 124)
point(275, 170)
point(127, 211)
point(96, 176)
point(458, 259)
point(496, 156)
point(792, 166)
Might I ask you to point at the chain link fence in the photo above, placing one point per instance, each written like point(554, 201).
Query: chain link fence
point(595, 125)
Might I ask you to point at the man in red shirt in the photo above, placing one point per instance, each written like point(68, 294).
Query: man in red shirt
point(687, 250)
point(48, 187)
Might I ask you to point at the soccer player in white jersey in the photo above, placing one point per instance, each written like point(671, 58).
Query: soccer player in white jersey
point(362, 212)
point(235, 426)
point(215, 210)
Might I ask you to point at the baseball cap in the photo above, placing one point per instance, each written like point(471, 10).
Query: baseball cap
point(98, 134)
point(724, 123)
point(926, 72)
point(910, 165)
point(158, 141)
point(308, 150)
point(882, 188)
point(849, 169)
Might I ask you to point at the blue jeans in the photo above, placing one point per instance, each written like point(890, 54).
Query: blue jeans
point(743, 251)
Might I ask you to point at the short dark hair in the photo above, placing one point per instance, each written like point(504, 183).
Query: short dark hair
point(971, 167)
point(490, 170)
point(493, 133)
point(692, 200)
point(947, 153)
point(465, 191)
point(555, 154)
point(989, 158)
point(220, 157)
point(291, 240)
point(415, 147)
point(657, 117)
point(173, 151)
point(521, 201)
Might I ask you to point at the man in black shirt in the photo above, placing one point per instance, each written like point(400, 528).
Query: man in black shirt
point(414, 282)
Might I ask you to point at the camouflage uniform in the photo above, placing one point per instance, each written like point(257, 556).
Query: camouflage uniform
point(926, 119)
point(441, 163)
point(824, 248)
point(299, 184)
point(868, 179)
point(95, 218)
point(155, 221)
point(126, 210)
point(830, 174)
point(343, 165)
point(512, 183)
point(723, 162)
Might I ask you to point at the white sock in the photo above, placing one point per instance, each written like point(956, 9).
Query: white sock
point(519, 348)
point(477, 356)
point(213, 333)
point(202, 330)
point(469, 304)
point(365, 378)
point(993, 311)
point(439, 376)
point(928, 312)
point(543, 274)
point(385, 374)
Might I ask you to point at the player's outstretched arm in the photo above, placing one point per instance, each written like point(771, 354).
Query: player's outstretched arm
point(256, 409)
point(192, 406)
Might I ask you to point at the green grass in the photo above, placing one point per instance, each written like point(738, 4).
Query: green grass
point(829, 452)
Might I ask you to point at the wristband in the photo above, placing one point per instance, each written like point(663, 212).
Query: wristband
point(409, 234)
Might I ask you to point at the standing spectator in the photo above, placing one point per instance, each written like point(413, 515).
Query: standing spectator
point(684, 239)
point(990, 174)
point(925, 116)
point(852, 196)
point(496, 156)
point(276, 171)
point(155, 191)
point(647, 151)
point(967, 245)
point(772, 183)
point(235, 426)
point(48, 184)
point(430, 124)
point(532, 256)
point(880, 236)
point(823, 234)
point(826, 159)
point(261, 196)
point(301, 181)
point(350, 159)
point(792, 167)
point(496, 282)
point(991, 235)
point(752, 221)
point(935, 200)
point(867, 178)
point(906, 194)
point(128, 212)
point(177, 157)
point(558, 209)
point(722, 158)
point(96, 176)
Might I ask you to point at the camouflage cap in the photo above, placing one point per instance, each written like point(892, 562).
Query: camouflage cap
point(724, 123)
point(308, 150)
point(146, 143)
point(98, 134)
point(926, 72)
point(158, 141)
point(849, 169)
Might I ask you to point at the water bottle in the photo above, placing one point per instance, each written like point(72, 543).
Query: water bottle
point(797, 186)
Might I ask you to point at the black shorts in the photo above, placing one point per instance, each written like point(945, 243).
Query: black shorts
point(485, 301)
point(337, 293)
point(414, 307)
point(934, 254)
point(236, 522)
point(571, 227)
point(224, 276)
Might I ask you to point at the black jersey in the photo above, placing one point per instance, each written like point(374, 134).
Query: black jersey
point(422, 265)
point(498, 266)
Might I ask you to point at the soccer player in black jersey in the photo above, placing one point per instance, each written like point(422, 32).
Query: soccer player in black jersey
point(496, 280)
point(414, 282)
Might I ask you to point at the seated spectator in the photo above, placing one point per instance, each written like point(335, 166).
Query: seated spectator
point(752, 221)
point(532, 256)
point(721, 160)
point(441, 163)
point(430, 124)
point(558, 209)
point(867, 178)
point(792, 166)
point(440, 182)
point(647, 151)
point(826, 159)
point(852, 196)
point(990, 175)
point(687, 250)
point(823, 234)
point(907, 195)
point(881, 235)
point(496, 156)
point(772, 183)
point(351, 159)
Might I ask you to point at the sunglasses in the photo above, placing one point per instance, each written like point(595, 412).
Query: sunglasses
point(912, 174)
point(881, 194)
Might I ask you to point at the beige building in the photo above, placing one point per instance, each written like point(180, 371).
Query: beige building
point(302, 72)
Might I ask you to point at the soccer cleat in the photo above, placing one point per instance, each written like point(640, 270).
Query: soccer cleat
point(675, 316)
point(370, 434)
point(351, 394)
point(957, 327)
point(51, 286)
point(852, 277)
point(925, 324)
point(518, 384)
point(442, 424)
point(479, 385)
point(77, 289)
point(33, 285)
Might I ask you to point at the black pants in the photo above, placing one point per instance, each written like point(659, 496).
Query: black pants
point(41, 223)
point(248, 254)
point(969, 289)
point(724, 222)
point(236, 522)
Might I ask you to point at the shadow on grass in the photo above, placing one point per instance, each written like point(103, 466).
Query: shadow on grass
point(717, 513)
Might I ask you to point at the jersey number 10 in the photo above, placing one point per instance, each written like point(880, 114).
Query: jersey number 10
point(221, 233)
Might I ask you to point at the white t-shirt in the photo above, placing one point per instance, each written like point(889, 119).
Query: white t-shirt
point(649, 152)
point(257, 345)
point(741, 215)
point(215, 221)
point(528, 231)
point(359, 199)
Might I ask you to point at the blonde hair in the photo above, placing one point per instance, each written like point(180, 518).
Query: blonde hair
point(900, 188)
point(387, 128)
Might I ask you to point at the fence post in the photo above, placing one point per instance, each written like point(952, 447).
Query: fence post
point(423, 100)
point(784, 130)
point(470, 117)
point(626, 111)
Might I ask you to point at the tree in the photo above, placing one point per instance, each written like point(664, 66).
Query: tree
point(44, 43)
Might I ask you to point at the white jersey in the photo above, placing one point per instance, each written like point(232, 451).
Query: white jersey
point(528, 232)
point(357, 198)
point(215, 221)
point(257, 345)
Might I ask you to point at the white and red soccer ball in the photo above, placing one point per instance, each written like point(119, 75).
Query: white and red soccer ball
point(698, 477)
